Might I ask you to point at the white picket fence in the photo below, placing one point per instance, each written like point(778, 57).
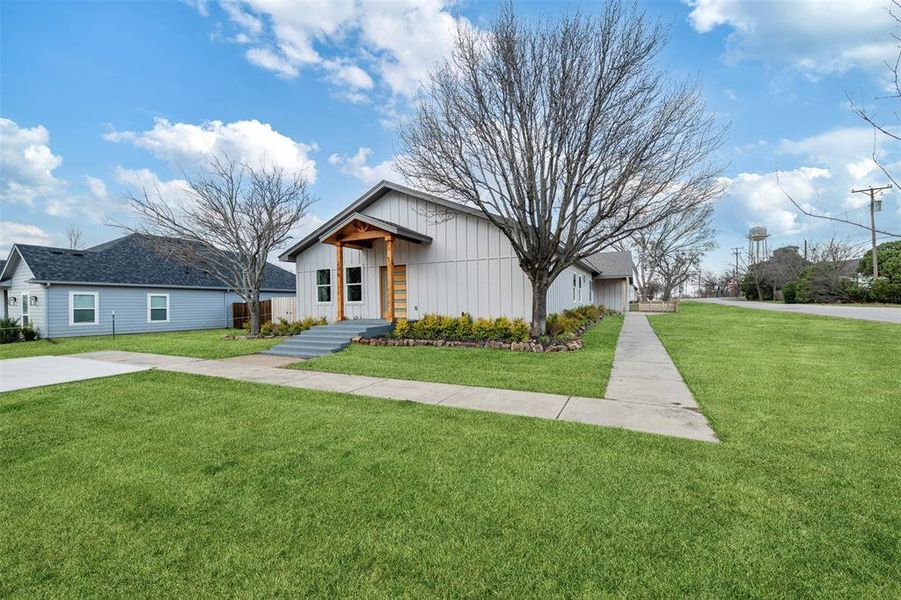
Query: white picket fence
point(284, 308)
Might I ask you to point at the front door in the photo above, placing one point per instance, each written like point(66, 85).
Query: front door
point(400, 291)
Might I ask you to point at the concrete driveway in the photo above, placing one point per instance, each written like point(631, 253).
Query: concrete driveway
point(36, 371)
point(887, 314)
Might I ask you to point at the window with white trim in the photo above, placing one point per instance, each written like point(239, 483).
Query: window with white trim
point(26, 318)
point(157, 308)
point(354, 283)
point(590, 292)
point(84, 308)
point(324, 286)
point(577, 288)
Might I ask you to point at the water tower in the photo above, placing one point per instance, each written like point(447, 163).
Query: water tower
point(757, 248)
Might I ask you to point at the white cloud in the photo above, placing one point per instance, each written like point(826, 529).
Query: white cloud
point(97, 187)
point(357, 167)
point(812, 36)
point(399, 41)
point(21, 233)
point(138, 181)
point(252, 142)
point(756, 199)
point(26, 163)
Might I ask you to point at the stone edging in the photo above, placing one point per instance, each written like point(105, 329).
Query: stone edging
point(527, 346)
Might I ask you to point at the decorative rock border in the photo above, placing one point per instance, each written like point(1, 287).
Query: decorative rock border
point(532, 345)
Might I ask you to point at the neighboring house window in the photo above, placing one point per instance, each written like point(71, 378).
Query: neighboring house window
point(83, 308)
point(26, 318)
point(590, 293)
point(324, 286)
point(157, 308)
point(354, 277)
point(575, 289)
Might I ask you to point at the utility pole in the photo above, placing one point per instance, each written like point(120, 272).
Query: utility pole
point(737, 253)
point(871, 191)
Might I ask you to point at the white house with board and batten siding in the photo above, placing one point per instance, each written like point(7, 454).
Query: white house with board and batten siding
point(446, 258)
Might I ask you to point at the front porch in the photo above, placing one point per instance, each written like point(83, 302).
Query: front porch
point(360, 232)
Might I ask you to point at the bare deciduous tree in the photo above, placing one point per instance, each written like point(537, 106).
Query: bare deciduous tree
point(566, 135)
point(669, 249)
point(234, 215)
point(73, 235)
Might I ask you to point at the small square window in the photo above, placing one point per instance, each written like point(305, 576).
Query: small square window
point(157, 308)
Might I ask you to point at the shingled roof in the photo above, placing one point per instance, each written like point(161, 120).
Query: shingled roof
point(610, 264)
point(130, 261)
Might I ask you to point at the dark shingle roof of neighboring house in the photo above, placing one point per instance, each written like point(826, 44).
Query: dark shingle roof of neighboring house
point(611, 264)
point(130, 261)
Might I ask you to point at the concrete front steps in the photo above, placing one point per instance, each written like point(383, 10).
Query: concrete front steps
point(326, 339)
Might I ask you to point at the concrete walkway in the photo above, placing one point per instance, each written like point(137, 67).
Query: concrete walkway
point(660, 417)
point(887, 314)
point(643, 370)
point(37, 371)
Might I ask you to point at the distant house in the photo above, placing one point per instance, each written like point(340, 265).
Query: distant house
point(397, 252)
point(63, 292)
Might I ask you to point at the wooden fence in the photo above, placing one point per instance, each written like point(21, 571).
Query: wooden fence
point(270, 310)
point(658, 306)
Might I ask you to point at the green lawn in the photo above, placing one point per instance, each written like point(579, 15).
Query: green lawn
point(164, 484)
point(581, 373)
point(203, 343)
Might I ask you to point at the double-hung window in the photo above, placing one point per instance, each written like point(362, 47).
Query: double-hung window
point(157, 308)
point(84, 308)
point(324, 286)
point(354, 284)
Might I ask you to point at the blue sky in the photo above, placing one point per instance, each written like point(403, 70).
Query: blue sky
point(100, 97)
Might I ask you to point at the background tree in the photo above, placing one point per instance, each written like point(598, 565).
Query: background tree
point(73, 235)
point(888, 287)
point(669, 249)
point(233, 217)
point(783, 266)
point(830, 276)
point(566, 135)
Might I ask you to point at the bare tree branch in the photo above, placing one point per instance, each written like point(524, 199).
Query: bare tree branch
point(234, 216)
point(827, 217)
point(73, 235)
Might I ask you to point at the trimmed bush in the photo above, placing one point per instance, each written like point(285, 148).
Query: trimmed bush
point(9, 330)
point(790, 292)
point(462, 328)
point(29, 333)
point(285, 327)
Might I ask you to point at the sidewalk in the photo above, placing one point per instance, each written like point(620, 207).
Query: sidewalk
point(650, 417)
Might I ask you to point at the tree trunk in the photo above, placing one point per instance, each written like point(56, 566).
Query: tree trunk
point(254, 306)
point(539, 307)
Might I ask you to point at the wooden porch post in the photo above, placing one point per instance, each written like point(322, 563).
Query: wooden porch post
point(389, 267)
point(339, 248)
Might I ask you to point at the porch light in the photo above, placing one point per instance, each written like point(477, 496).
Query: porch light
point(33, 300)
point(12, 301)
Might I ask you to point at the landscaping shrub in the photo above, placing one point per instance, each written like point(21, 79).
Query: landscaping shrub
point(886, 291)
point(790, 292)
point(9, 330)
point(462, 328)
point(29, 333)
point(823, 283)
point(285, 327)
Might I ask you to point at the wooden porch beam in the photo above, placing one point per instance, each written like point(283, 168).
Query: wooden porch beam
point(339, 249)
point(389, 252)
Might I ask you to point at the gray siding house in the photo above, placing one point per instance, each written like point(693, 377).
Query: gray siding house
point(445, 258)
point(63, 292)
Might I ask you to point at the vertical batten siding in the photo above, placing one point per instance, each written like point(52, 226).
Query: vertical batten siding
point(612, 293)
point(560, 294)
point(19, 285)
point(188, 309)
